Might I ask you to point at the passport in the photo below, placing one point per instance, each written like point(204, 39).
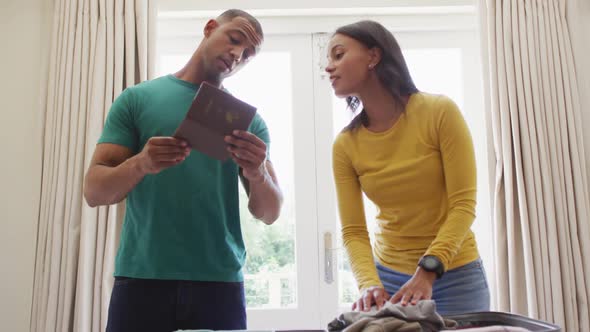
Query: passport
point(214, 114)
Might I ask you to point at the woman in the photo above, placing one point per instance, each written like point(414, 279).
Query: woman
point(412, 154)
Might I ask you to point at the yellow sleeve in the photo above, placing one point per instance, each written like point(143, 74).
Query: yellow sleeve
point(352, 217)
point(458, 158)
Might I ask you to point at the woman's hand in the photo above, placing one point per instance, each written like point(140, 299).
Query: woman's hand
point(419, 287)
point(372, 295)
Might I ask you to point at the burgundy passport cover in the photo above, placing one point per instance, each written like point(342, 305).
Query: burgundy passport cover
point(213, 115)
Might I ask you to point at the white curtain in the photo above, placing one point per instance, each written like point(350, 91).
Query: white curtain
point(99, 47)
point(578, 18)
point(541, 202)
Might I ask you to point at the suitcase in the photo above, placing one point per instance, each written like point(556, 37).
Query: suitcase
point(492, 318)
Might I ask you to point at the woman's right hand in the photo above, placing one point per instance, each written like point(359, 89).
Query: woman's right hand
point(375, 295)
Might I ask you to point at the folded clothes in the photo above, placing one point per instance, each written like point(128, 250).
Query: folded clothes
point(421, 317)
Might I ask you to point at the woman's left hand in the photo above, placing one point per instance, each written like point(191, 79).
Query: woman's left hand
point(419, 287)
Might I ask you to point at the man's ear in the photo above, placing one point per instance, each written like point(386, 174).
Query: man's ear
point(210, 27)
point(375, 54)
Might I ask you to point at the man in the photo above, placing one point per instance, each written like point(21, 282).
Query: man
point(181, 253)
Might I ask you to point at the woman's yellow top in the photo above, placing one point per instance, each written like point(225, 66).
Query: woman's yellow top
point(421, 175)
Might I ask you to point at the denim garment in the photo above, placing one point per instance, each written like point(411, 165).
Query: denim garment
point(150, 305)
point(460, 290)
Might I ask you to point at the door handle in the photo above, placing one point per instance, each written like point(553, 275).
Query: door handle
point(328, 258)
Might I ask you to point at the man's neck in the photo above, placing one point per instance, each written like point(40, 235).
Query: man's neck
point(195, 73)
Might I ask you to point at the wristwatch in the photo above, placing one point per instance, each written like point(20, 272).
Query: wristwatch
point(432, 264)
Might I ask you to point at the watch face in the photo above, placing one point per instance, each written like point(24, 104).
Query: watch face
point(430, 263)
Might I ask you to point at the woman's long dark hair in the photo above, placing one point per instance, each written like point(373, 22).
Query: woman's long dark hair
point(392, 70)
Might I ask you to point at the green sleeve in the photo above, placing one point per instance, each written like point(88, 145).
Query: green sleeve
point(258, 127)
point(119, 127)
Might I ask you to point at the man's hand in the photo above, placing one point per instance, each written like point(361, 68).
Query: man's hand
point(257, 174)
point(372, 295)
point(162, 152)
point(419, 287)
point(249, 152)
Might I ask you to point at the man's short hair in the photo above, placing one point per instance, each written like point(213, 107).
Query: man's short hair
point(230, 14)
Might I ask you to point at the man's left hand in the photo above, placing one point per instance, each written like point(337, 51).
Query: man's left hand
point(249, 152)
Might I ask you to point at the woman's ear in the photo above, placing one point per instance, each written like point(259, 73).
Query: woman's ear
point(210, 27)
point(375, 56)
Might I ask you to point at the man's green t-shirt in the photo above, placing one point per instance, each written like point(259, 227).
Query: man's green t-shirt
point(182, 223)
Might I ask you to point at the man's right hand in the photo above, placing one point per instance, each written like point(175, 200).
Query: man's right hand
point(160, 153)
point(372, 295)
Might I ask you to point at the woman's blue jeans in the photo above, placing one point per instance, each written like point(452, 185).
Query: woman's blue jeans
point(460, 290)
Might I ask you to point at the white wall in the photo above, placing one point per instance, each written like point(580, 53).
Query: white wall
point(23, 23)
